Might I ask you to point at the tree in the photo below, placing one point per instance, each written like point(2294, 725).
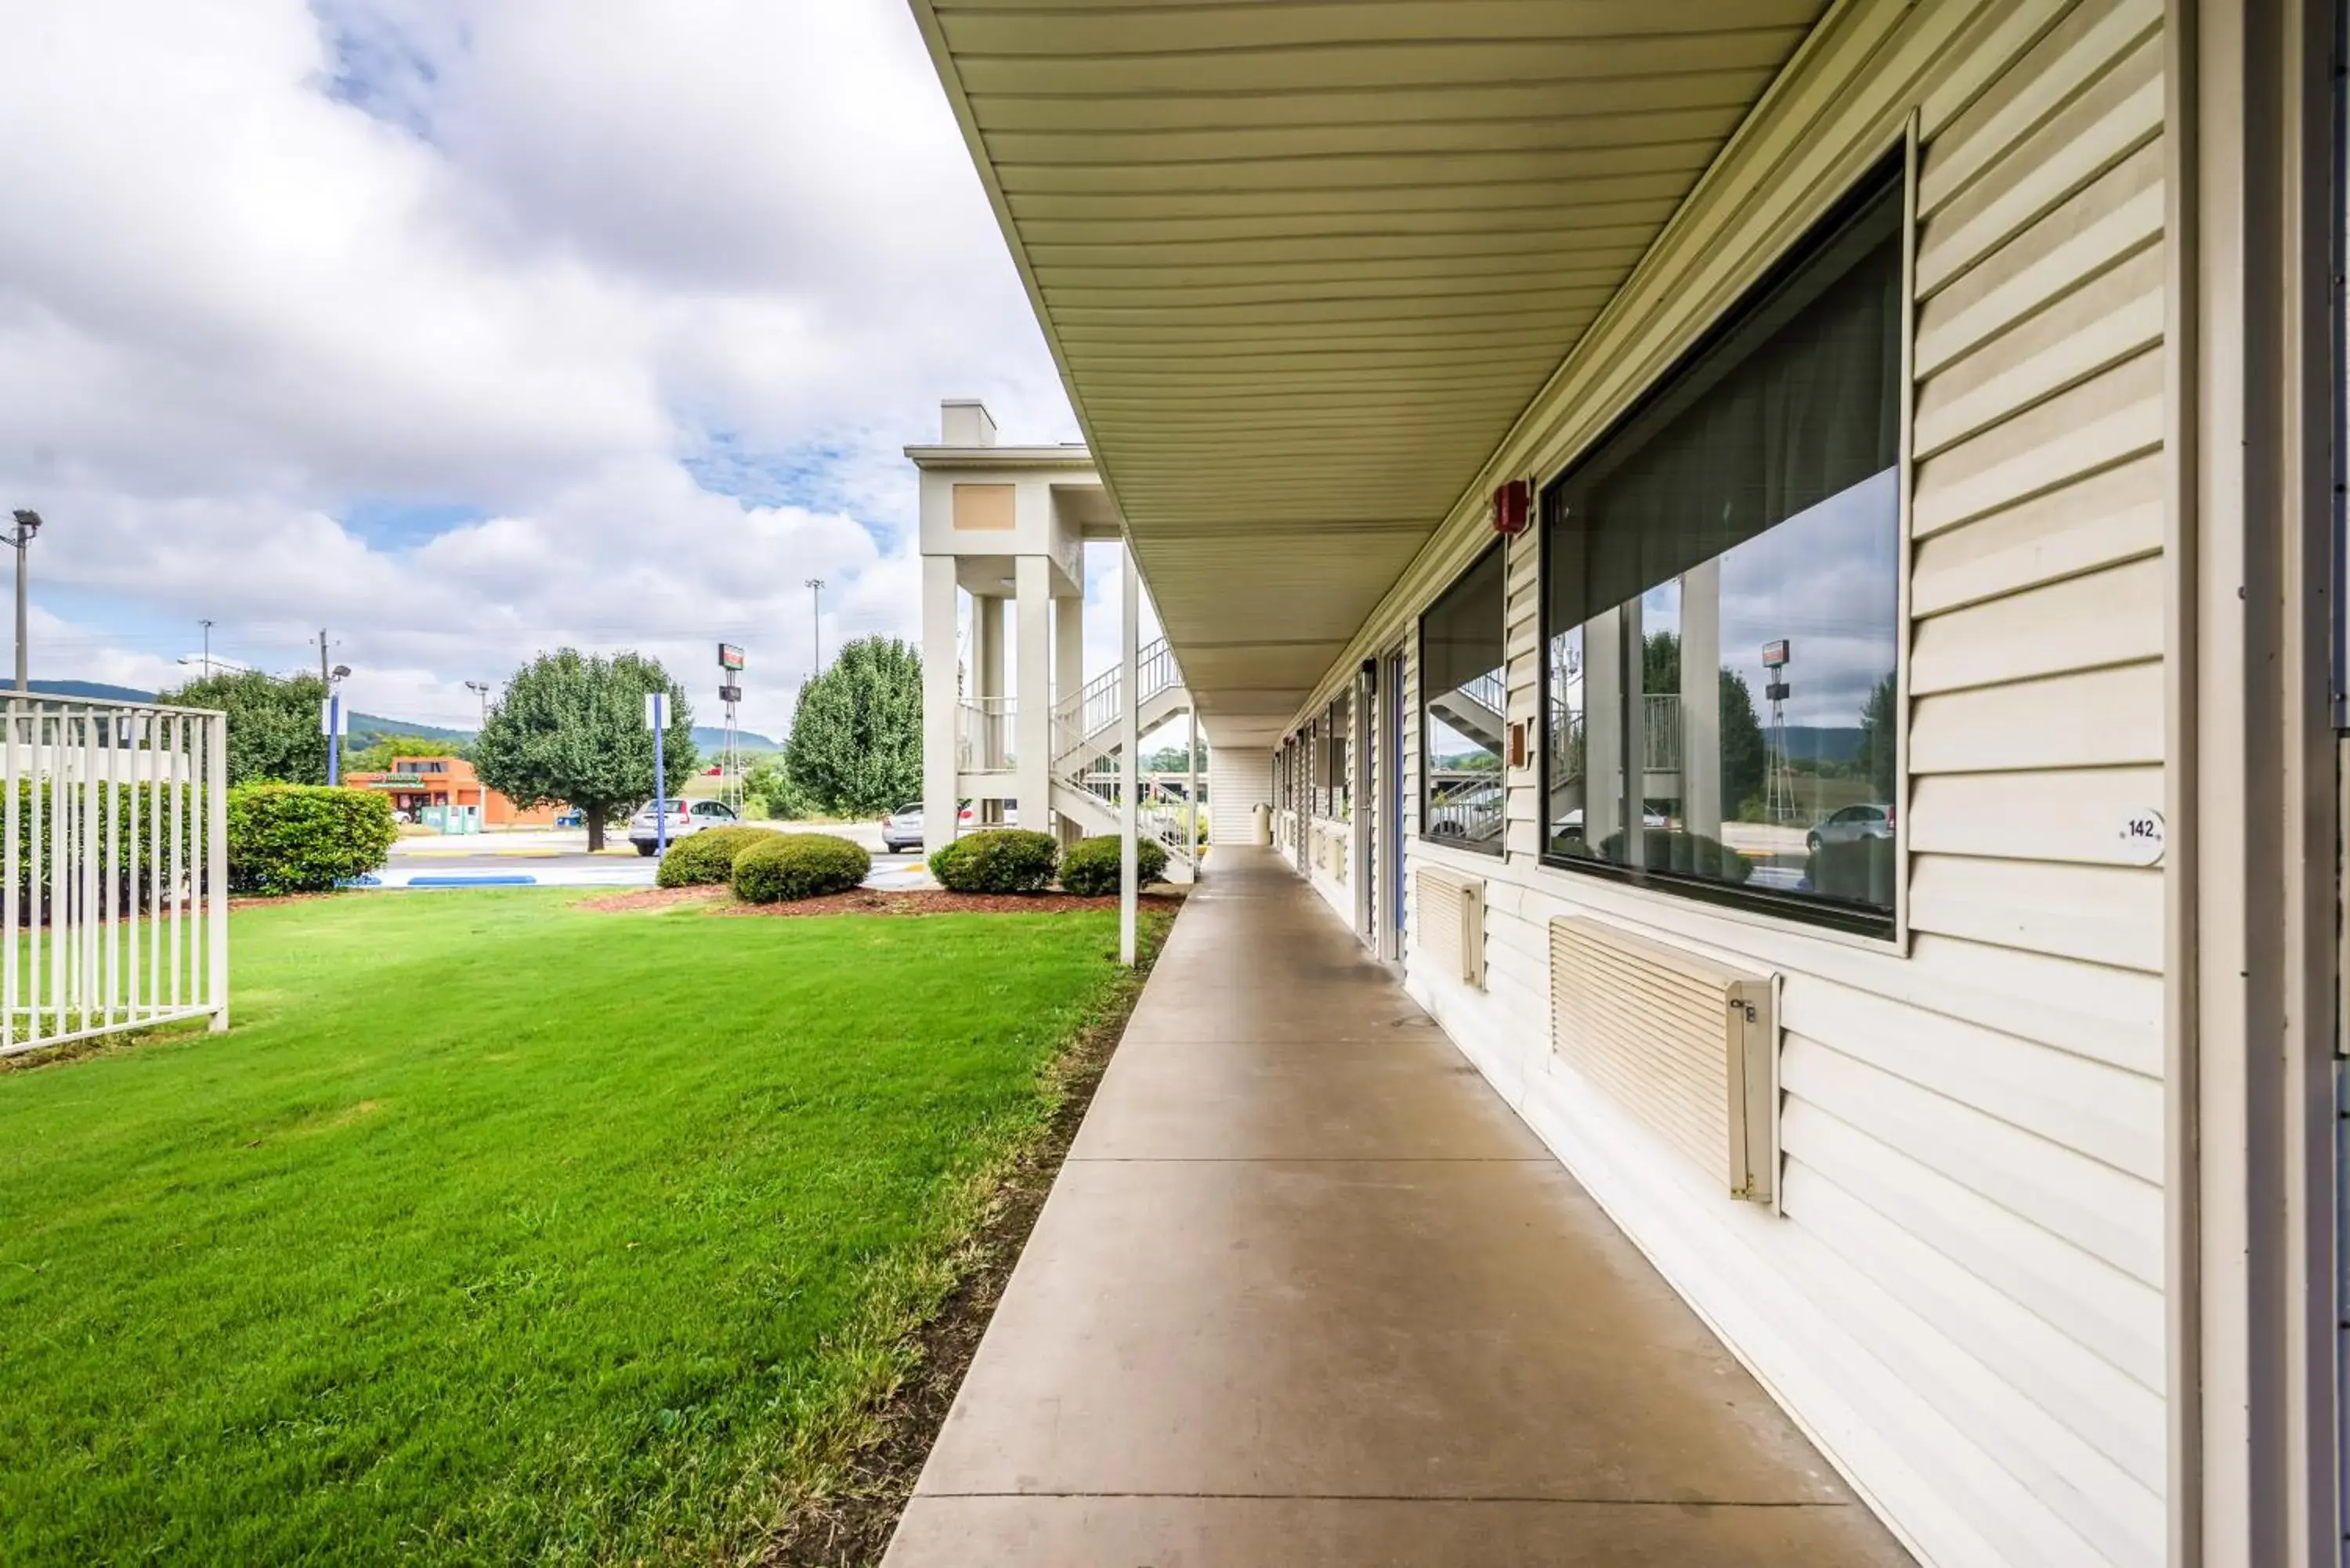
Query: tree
point(1879, 728)
point(856, 746)
point(570, 728)
point(273, 723)
point(1743, 757)
point(377, 755)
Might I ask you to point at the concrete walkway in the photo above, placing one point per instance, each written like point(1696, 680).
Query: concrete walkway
point(1306, 1293)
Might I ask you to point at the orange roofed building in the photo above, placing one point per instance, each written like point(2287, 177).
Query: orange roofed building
point(446, 792)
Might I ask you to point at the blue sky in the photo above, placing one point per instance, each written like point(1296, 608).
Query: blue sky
point(476, 329)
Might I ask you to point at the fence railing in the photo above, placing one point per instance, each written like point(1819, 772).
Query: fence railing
point(114, 916)
point(984, 735)
point(1096, 705)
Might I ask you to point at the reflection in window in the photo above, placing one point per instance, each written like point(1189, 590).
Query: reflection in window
point(1722, 600)
point(1338, 758)
point(1463, 698)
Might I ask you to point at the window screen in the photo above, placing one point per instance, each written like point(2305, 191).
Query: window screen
point(1721, 599)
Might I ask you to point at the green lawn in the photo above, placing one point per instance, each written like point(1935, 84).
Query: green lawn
point(502, 1231)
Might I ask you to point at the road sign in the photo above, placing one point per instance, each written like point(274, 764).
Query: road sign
point(1774, 654)
point(728, 656)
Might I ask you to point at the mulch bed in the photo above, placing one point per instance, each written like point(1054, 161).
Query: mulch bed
point(869, 901)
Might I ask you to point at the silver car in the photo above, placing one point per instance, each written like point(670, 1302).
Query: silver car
point(1854, 823)
point(686, 818)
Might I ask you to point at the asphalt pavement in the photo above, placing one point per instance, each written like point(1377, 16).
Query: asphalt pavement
point(559, 858)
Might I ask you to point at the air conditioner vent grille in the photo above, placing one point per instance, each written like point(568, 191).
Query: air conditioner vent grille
point(1449, 925)
point(1686, 1044)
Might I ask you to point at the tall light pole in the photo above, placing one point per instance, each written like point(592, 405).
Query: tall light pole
point(815, 626)
point(481, 689)
point(335, 679)
point(208, 648)
point(27, 524)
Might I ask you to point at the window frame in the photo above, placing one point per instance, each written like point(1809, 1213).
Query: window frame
point(1898, 167)
point(1499, 849)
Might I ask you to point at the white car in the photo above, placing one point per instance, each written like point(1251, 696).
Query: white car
point(901, 830)
point(1871, 819)
point(686, 818)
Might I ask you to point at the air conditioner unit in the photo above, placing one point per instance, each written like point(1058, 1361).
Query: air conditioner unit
point(1449, 925)
point(1688, 1045)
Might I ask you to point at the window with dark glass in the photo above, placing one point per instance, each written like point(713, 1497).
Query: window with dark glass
point(1721, 601)
point(1464, 696)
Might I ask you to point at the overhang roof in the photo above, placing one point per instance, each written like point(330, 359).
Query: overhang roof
point(1303, 261)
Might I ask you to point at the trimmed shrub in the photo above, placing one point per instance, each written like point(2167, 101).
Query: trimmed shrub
point(783, 866)
point(706, 858)
point(997, 860)
point(1860, 870)
point(1091, 867)
point(305, 838)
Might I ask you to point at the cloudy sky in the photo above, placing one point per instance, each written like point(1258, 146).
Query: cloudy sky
point(468, 328)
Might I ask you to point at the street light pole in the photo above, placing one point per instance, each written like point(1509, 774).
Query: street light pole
point(815, 626)
point(208, 648)
point(481, 689)
point(27, 524)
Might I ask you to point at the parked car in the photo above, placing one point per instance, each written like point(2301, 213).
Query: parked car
point(901, 830)
point(1870, 820)
point(686, 817)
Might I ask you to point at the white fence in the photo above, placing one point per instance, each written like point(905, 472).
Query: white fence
point(113, 824)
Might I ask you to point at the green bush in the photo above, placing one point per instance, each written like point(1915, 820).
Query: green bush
point(997, 860)
point(705, 859)
point(782, 867)
point(1860, 870)
point(305, 838)
point(1091, 867)
point(1690, 854)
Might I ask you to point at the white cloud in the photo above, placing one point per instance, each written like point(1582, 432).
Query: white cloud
point(263, 267)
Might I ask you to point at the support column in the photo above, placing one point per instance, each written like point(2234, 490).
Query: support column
point(941, 700)
point(2251, 857)
point(1033, 706)
point(987, 747)
point(1129, 743)
point(1701, 749)
point(1068, 675)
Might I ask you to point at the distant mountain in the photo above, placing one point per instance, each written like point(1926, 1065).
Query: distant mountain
point(367, 728)
point(1823, 743)
point(710, 738)
point(91, 689)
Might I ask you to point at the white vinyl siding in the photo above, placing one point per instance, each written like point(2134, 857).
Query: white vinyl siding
point(1962, 1301)
point(1240, 779)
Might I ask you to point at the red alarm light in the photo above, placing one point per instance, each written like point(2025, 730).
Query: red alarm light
point(1512, 502)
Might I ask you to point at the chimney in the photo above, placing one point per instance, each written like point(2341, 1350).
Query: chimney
point(967, 422)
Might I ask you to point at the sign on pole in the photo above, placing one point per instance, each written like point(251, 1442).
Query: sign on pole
point(657, 718)
point(1774, 654)
point(728, 656)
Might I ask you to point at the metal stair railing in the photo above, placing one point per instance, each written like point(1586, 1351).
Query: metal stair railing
point(1080, 719)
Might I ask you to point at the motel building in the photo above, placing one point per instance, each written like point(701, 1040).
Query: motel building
point(1773, 567)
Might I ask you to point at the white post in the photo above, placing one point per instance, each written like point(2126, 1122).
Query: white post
point(1068, 664)
point(942, 702)
point(215, 731)
point(1129, 743)
point(1192, 790)
point(1700, 753)
point(1031, 709)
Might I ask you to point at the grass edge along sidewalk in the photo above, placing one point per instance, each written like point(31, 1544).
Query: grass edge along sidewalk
point(244, 1327)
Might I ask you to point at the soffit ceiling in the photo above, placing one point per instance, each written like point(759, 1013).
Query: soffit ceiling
point(1304, 262)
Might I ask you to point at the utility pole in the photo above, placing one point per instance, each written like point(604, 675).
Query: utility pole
point(27, 524)
point(481, 689)
point(322, 657)
point(815, 626)
point(208, 648)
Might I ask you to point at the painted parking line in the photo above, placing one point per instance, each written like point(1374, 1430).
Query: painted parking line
point(490, 879)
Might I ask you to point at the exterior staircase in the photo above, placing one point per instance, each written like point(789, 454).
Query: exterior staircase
point(1086, 775)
